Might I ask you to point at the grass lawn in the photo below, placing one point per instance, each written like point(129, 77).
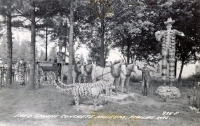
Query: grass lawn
point(49, 107)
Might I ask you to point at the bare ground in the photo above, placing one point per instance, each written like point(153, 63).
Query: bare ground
point(49, 107)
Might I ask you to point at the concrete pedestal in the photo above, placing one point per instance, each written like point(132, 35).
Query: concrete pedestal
point(168, 92)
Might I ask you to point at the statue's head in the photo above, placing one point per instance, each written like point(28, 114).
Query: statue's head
point(169, 23)
point(169, 27)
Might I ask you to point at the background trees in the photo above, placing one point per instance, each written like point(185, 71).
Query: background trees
point(188, 22)
point(103, 25)
point(6, 11)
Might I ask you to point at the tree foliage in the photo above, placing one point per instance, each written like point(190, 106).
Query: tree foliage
point(128, 25)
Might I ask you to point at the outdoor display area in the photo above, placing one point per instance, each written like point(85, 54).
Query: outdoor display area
point(74, 79)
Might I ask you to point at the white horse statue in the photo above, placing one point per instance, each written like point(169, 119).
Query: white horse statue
point(76, 72)
point(130, 68)
point(114, 73)
point(101, 73)
point(118, 71)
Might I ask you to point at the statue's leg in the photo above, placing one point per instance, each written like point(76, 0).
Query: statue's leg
point(122, 85)
point(95, 99)
point(1, 78)
point(90, 79)
point(143, 82)
point(23, 83)
point(127, 84)
point(117, 81)
point(84, 78)
point(79, 78)
point(76, 99)
point(164, 66)
point(171, 67)
point(74, 76)
point(93, 78)
point(122, 81)
point(19, 78)
point(147, 86)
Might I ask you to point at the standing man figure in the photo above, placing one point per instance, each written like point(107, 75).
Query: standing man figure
point(145, 79)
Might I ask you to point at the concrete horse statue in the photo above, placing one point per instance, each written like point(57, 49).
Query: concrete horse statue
point(110, 72)
point(130, 68)
point(101, 73)
point(118, 71)
point(75, 73)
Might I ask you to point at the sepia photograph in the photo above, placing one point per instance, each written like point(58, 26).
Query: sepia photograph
point(99, 62)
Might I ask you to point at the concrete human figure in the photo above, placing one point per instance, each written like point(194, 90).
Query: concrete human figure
point(21, 69)
point(167, 37)
point(145, 78)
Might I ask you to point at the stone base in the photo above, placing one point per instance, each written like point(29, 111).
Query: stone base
point(168, 92)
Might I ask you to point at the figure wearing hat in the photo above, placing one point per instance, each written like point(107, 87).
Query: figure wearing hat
point(167, 37)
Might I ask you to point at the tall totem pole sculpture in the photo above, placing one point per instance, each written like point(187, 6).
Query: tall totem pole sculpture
point(167, 37)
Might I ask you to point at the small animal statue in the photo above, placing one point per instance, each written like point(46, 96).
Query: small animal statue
point(83, 89)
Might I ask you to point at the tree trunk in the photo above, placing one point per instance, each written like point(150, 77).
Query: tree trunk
point(46, 30)
point(102, 58)
point(9, 45)
point(181, 70)
point(71, 45)
point(32, 48)
point(128, 51)
point(46, 37)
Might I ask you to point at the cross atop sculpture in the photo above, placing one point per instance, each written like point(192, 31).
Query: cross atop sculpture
point(168, 37)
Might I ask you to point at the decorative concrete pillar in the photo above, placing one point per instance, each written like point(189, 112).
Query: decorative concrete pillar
point(168, 37)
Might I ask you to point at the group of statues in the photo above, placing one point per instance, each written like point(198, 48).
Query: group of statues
point(19, 72)
point(119, 71)
point(167, 39)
